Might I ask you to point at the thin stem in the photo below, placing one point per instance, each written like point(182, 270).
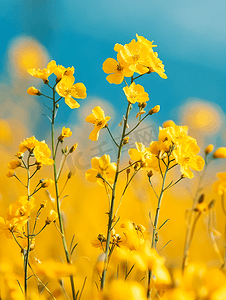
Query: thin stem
point(137, 124)
point(57, 195)
point(112, 136)
point(110, 219)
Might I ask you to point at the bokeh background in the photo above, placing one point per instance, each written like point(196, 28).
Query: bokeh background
point(191, 39)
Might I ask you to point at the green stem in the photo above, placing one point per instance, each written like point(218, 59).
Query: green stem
point(57, 196)
point(110, 219)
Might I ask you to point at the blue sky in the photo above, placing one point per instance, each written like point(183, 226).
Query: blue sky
point(191, 39)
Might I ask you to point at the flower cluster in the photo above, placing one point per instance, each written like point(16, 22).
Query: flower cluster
point(66, 86)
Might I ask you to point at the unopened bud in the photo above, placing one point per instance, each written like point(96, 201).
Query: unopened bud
point(150, 174)
point(220, 153)
point(209, 148)
point(154, 110)
point(73, 148)
point(126, 140)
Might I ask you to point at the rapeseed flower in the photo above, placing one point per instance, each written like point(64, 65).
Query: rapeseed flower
point(135, 93)
point(53, 215)
point(98, 119)
point(220, 153)
point(103, 166)
point(67, 89)
point(33, 91)
point(42, 154)
point(220, 186)
point(66, 132)
point(44, 73)
point(117, 69)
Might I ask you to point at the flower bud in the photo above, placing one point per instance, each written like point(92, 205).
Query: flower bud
point(10, 173)
point(150, 174)
point(209, 148)
point(33, 91)
point(14, 164)
point(220, 153)
point(126, 140)
point(43, 203)
point(73, 148)
point(154, 110)
point(51, 217)
point(46, 183)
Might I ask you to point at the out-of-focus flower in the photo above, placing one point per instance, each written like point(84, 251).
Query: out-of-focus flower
point(47, 182)
point(117, 69)
point(10, 173)
point(53, 215)
point(209, 149)
point(220, 153)
point(121, 290)
point(67, 89)
point(220, 186)
point(54, 270)
point(33, 91)
point(168, 123)
point(135, 93)
point(66, 132)
point(44, 73)
point(104, 167)
point(42, 154)
point(14, 164)
point(6, 135)
point(98, 119)
point(21, 208)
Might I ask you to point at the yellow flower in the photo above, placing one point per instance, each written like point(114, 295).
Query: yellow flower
point(117, 69)
point(33, 91)
point(55, 270)
point(28, 144)
point(14, 164)
point(121, 290)
point(52, 216)
point(42, 154)
point(136, 55)
point(14, 225)
point(98, 119)
point(220, 153)
point(73, 148)
point(168, 123)
point(44, 73)
point(21, 208)
point(102, 166)
point(144, 156)
point(47, 182)
point(185, 156)
point(10, 173)
point(135, 93)
point(153, 62)
point(220, 186)
point(66, 132)
point(154, 110)
point(67, 89)
point(173, 134)
point(61, 71)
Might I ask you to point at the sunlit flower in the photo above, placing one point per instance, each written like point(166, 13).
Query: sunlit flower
point(154, 110)
point(144, 156)
point(61, 71)
point(66, 132)
point(44, 73)
point(220, 186)
point(168, 123)
point(53, 215)
point(135, 93)
point(98, 119)
point(10, 173)
point(135, 54)
point(33, 91)
point(73, 148)
point(42, 154)
point(186, 156)
point(117, 69)
point(154, 64)
point(102, 166)
point(28, 144)
point(67, 89)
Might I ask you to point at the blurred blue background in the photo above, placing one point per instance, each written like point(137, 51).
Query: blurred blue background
point(191, 39)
